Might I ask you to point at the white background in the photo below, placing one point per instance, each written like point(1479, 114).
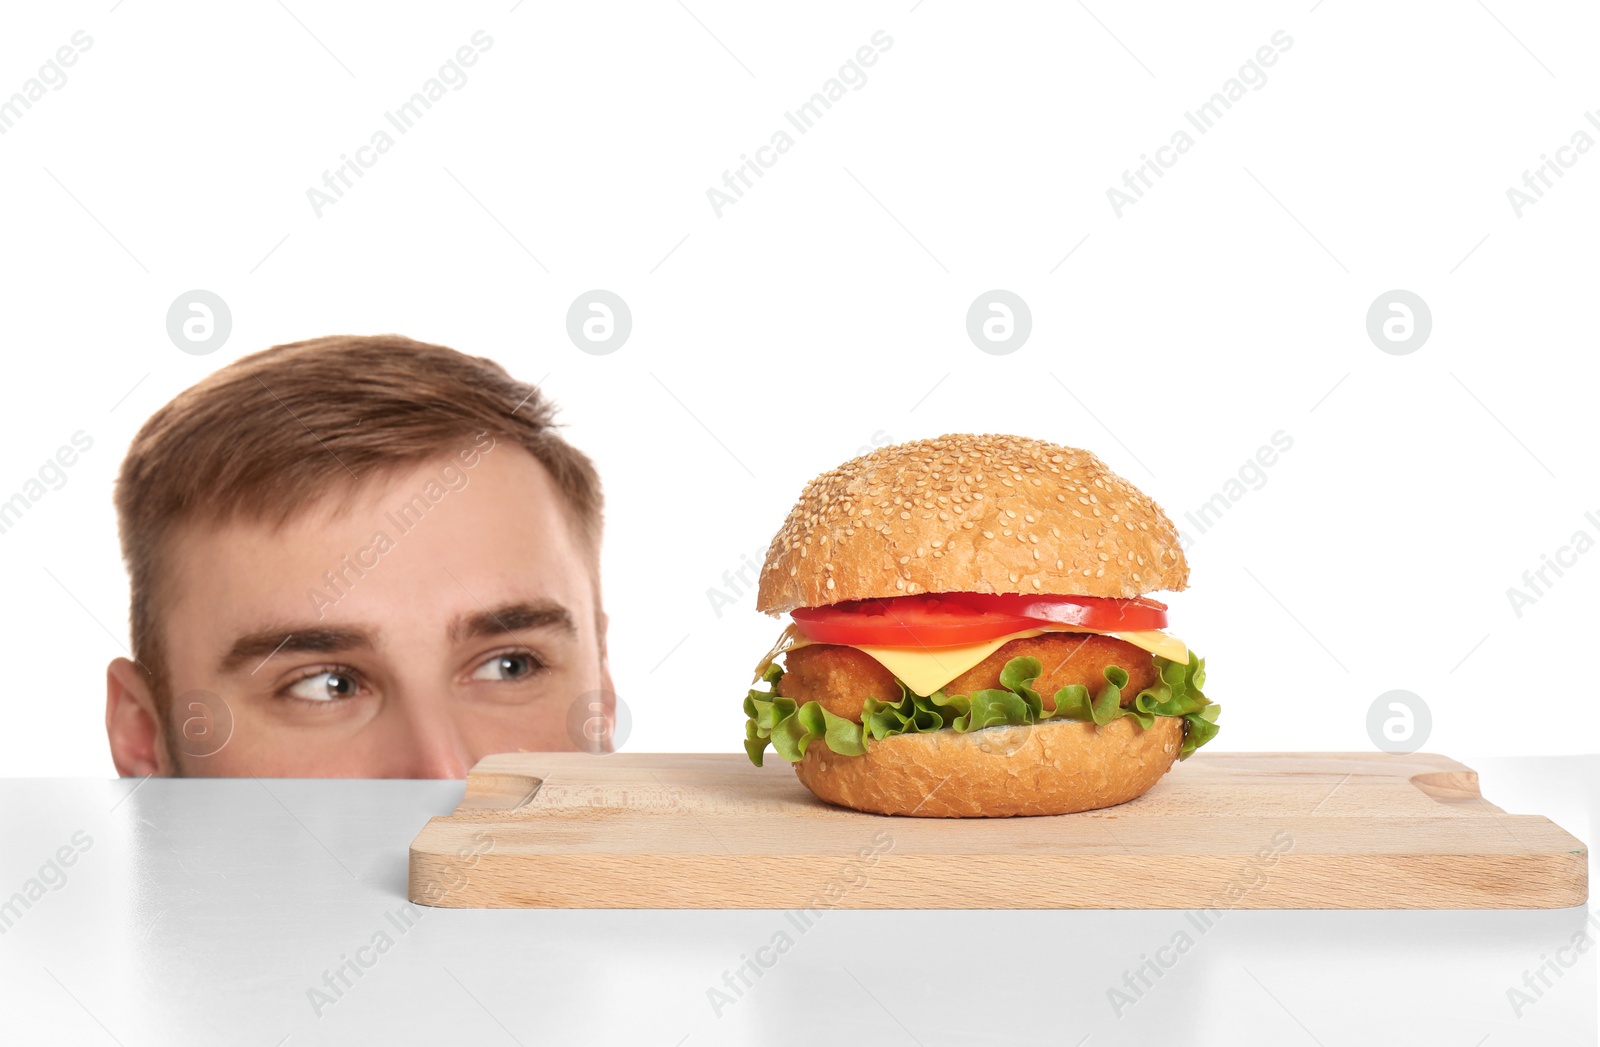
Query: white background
point(826, 310)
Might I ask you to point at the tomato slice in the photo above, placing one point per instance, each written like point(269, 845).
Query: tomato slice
point(1102, 614)
point(905, 621)
point(949, 619)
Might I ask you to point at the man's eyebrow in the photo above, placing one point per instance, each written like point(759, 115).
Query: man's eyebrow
point(513, 617)
point(254, 649)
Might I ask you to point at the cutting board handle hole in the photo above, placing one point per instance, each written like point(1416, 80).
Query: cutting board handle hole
point(499, 791)
point(1451, 787)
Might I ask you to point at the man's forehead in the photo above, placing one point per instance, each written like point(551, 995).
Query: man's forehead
point(453, 539)
point(505, 482)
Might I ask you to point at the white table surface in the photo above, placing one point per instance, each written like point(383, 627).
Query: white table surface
point(205, 911)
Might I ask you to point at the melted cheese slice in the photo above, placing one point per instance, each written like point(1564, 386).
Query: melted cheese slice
point(926, 669)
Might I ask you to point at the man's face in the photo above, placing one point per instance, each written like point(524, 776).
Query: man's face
point(445, 613)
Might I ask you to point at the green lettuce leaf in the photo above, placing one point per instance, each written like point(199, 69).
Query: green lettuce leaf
point(791, 728)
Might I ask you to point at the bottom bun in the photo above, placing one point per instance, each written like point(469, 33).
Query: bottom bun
point(1055, 767)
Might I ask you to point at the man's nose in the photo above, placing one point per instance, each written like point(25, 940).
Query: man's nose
point(430, 742)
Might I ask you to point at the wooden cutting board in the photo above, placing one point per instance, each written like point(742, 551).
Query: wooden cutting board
point(1241, 830)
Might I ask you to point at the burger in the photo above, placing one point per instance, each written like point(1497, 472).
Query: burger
point(970, 634)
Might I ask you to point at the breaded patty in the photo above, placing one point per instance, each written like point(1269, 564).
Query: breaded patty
point(841, 679)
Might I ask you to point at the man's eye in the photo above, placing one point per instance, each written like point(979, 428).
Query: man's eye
point(517, 665)
point(325, 687)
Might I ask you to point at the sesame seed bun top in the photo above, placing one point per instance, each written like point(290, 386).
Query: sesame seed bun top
point(970, 513)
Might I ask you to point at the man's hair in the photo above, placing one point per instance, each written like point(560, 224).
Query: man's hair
point(271, 434)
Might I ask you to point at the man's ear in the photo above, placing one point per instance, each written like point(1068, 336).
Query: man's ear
point(607, 689)
point(133, 724)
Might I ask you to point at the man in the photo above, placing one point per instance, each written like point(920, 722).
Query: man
point(357, 557)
